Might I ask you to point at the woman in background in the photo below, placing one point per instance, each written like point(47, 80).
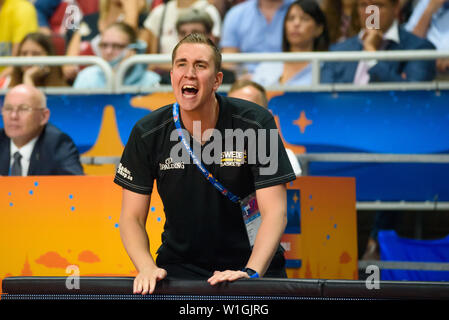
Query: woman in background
point(305, 30)
point(34, 45)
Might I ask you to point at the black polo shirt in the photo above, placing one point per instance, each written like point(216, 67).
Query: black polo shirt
point(203, 227)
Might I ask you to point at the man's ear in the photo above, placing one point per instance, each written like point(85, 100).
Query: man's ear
point(218, 80)
point(45, 116)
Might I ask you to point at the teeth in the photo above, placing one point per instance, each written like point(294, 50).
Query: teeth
point(188, 87)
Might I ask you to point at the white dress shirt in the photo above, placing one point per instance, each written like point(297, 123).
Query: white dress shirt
point(25, 151)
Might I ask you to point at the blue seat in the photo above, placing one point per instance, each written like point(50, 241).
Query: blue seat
point(395, 248)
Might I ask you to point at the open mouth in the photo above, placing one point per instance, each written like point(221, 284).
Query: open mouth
point(189, 90)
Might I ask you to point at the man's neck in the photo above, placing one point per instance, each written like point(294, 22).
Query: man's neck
point(269, 8)
point(20, 143)
point(206, 117)
point(270, 4)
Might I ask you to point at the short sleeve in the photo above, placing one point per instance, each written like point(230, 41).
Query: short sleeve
point(134, 172)
point(153, 21)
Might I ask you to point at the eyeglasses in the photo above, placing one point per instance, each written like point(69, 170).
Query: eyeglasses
point(114, 46)
point(23, 109)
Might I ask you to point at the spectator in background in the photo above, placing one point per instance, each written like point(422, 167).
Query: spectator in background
point(254, 92)
point(199, 21)
point(305, 30)
point(160, 25)
point(34, 45)
point(388, 36)
point(118, 42)
point(85, 40)
point(17, 19)
point(45, 10)
point(430, 20)
point(29, 144)
point(407, 7)
point(223, 6)
point(253, 26)
point(342, 19)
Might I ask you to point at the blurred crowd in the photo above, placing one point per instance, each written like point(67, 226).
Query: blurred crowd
point(117, 29)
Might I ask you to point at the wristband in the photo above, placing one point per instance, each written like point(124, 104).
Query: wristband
point(252, 273)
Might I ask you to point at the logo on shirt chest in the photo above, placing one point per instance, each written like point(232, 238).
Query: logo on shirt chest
point(233, 158)
point(169, 165)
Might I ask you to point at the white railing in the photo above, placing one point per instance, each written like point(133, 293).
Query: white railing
point(64, 60)
point(114, 80)
point(315, 58)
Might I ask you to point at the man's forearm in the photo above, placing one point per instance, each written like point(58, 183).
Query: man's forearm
point(136, 242)
point(267, 241)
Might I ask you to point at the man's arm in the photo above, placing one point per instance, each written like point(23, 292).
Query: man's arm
point(135, 239)
point(272, 202)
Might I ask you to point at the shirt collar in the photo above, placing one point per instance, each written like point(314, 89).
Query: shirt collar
point(392, 33)
point(26, 150)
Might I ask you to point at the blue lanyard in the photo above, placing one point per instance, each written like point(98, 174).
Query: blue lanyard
point(198, 163)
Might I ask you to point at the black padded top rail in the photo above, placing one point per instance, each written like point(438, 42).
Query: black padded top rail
point(265, 287)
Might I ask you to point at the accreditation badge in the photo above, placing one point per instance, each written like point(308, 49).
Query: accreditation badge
point(251, 216)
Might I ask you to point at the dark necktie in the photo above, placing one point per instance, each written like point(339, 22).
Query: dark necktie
point(16, 168)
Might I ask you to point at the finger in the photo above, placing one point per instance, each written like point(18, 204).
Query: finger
point(152, 285)
point(145, 285)
point(212, 280)
point(137, 285)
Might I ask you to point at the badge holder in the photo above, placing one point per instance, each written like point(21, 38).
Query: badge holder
point(251, 217)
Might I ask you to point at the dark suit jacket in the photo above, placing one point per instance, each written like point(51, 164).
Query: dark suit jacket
point(383, 71)
point(55, 153)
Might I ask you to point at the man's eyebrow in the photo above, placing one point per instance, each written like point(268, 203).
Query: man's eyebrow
point(202, 61)
point(180, 60)
point(196, 61)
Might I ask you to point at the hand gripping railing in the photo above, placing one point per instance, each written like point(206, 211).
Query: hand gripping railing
point(315, 58)
point(62, 60)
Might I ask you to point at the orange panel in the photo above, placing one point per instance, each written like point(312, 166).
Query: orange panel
point(50, 223)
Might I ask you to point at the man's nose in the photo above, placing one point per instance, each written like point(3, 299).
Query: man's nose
point(14, 113)
point(190, 72)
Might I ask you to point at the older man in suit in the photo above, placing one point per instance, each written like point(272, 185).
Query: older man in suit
point(29, 145)
point(387, 36)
